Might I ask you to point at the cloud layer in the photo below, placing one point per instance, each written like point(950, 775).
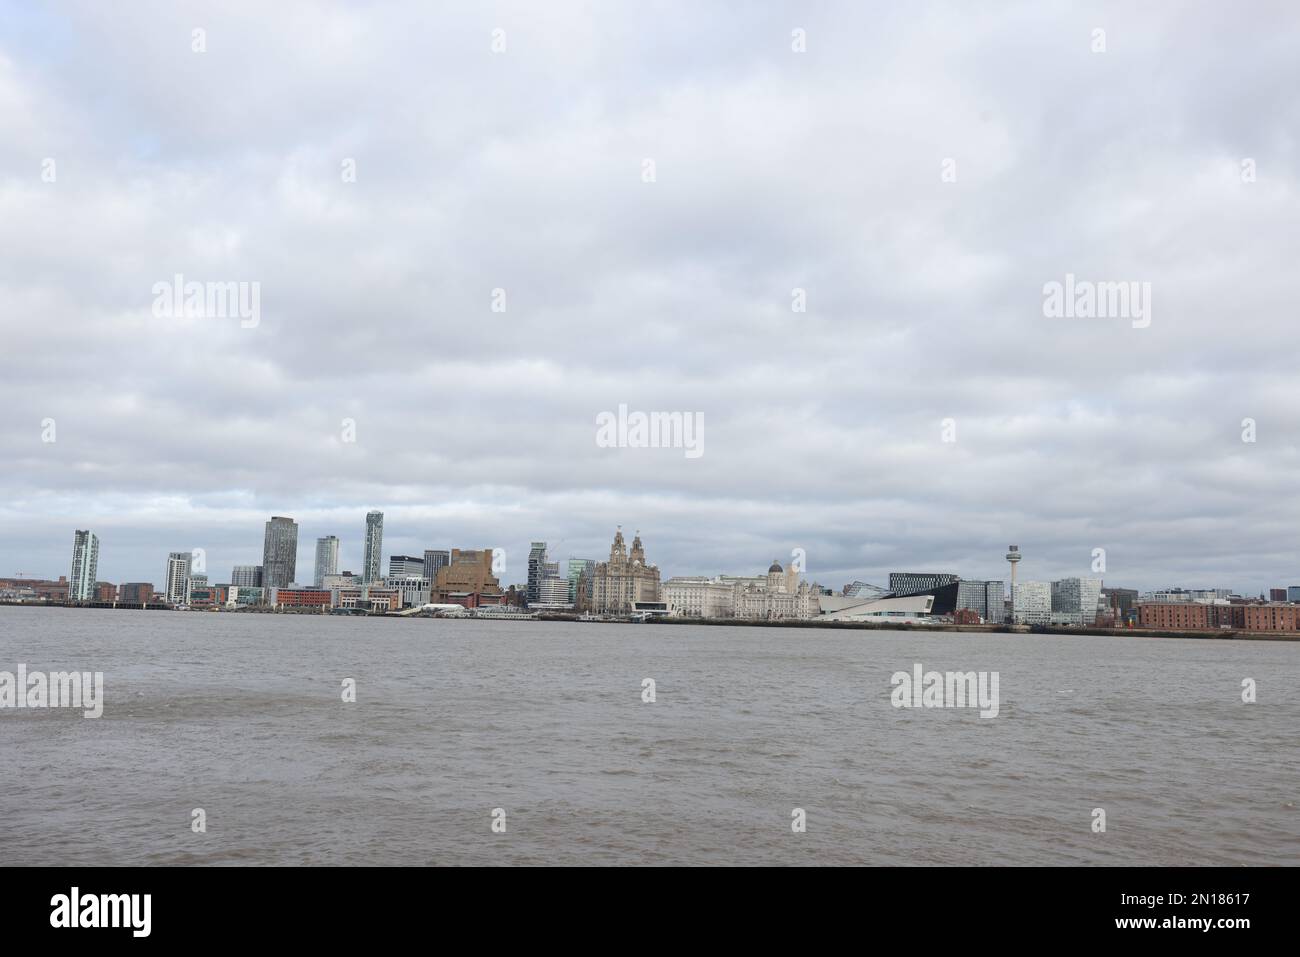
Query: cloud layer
point(774, 170)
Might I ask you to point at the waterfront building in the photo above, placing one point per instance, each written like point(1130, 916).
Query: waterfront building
point(300, 598)
point(912, 583)
point(136, 593)
point(327, 559)
point(246, 576)
point(889, 610)
point(368, 597)
point(374, 546)
point(1075, 601)
point(1031, 603)
point(623, 580)
point(341, 580)
point(414, 589)
point(85, 566)
point(995, 601)
point(105, 591)
point(776, 595)
point(434, 559)
point(580, 575)
point(405, 566)
point(1122, 603)
point(552, 593)
point(468, 577)
point(864, 590)
point(239, 596)
point(279, 552)
point(536, 571)
point(973, 596)
point(178, 578)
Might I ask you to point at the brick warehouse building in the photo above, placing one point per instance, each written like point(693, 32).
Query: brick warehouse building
point(1199, 616)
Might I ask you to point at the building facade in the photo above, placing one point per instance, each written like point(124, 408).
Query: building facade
point(374, 547)
point(178, 578)
point(327, 559)
point(468, 578)
point(136, 593)
point(1031, 603)
point(909, 583)
point(246, 576)
point(1075, 601)
point(414, 589)
point(625, 579)
point(580, 574)
point(280, 552)
point(536, 571)
point(85, 566)
point(434, 559)
point(405, 566)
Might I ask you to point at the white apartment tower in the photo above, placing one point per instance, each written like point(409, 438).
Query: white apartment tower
point(85, 566)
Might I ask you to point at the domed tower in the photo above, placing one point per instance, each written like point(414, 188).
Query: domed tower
point(618, 551)
point(637, 555)
point(774, 575)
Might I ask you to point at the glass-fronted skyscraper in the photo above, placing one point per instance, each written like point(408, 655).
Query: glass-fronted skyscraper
point(327, 558)
point(280, 552)
point(371, 566)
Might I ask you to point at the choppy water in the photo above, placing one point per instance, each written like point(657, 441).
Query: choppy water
point(242, 716)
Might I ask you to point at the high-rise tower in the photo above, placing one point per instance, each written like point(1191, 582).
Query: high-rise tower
point(371, 570)
point(280, 552)
point(1013, 556)
point(85, 566)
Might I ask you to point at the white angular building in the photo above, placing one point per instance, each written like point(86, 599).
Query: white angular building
point(1031, 603)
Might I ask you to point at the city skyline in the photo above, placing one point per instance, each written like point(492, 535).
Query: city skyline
point(518, 561)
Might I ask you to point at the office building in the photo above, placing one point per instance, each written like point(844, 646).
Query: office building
point(405, 566)
point(1075, 601)
point(280, 553)
point(913, 583)
point(246, 576)
point(414, 589)
point(536, 559)
point(327, 559)
point(433, 560)
point(136, 593)
point(85, 565)
point(580, 574)
point(1031, 603)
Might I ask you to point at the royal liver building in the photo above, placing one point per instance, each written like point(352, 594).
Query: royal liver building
point(624, 579)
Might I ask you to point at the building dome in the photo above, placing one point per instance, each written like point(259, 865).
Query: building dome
point(776, 568)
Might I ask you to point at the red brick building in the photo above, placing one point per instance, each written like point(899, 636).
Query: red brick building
point(1272, 617)
point(302, 597)
point(1198, 616)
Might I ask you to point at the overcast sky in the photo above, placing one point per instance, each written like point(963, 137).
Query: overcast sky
point(524, 169)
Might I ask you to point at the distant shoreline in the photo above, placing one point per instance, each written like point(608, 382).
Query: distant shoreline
point(1041, 630)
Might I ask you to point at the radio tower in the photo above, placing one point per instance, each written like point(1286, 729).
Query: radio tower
point(1013, 556)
